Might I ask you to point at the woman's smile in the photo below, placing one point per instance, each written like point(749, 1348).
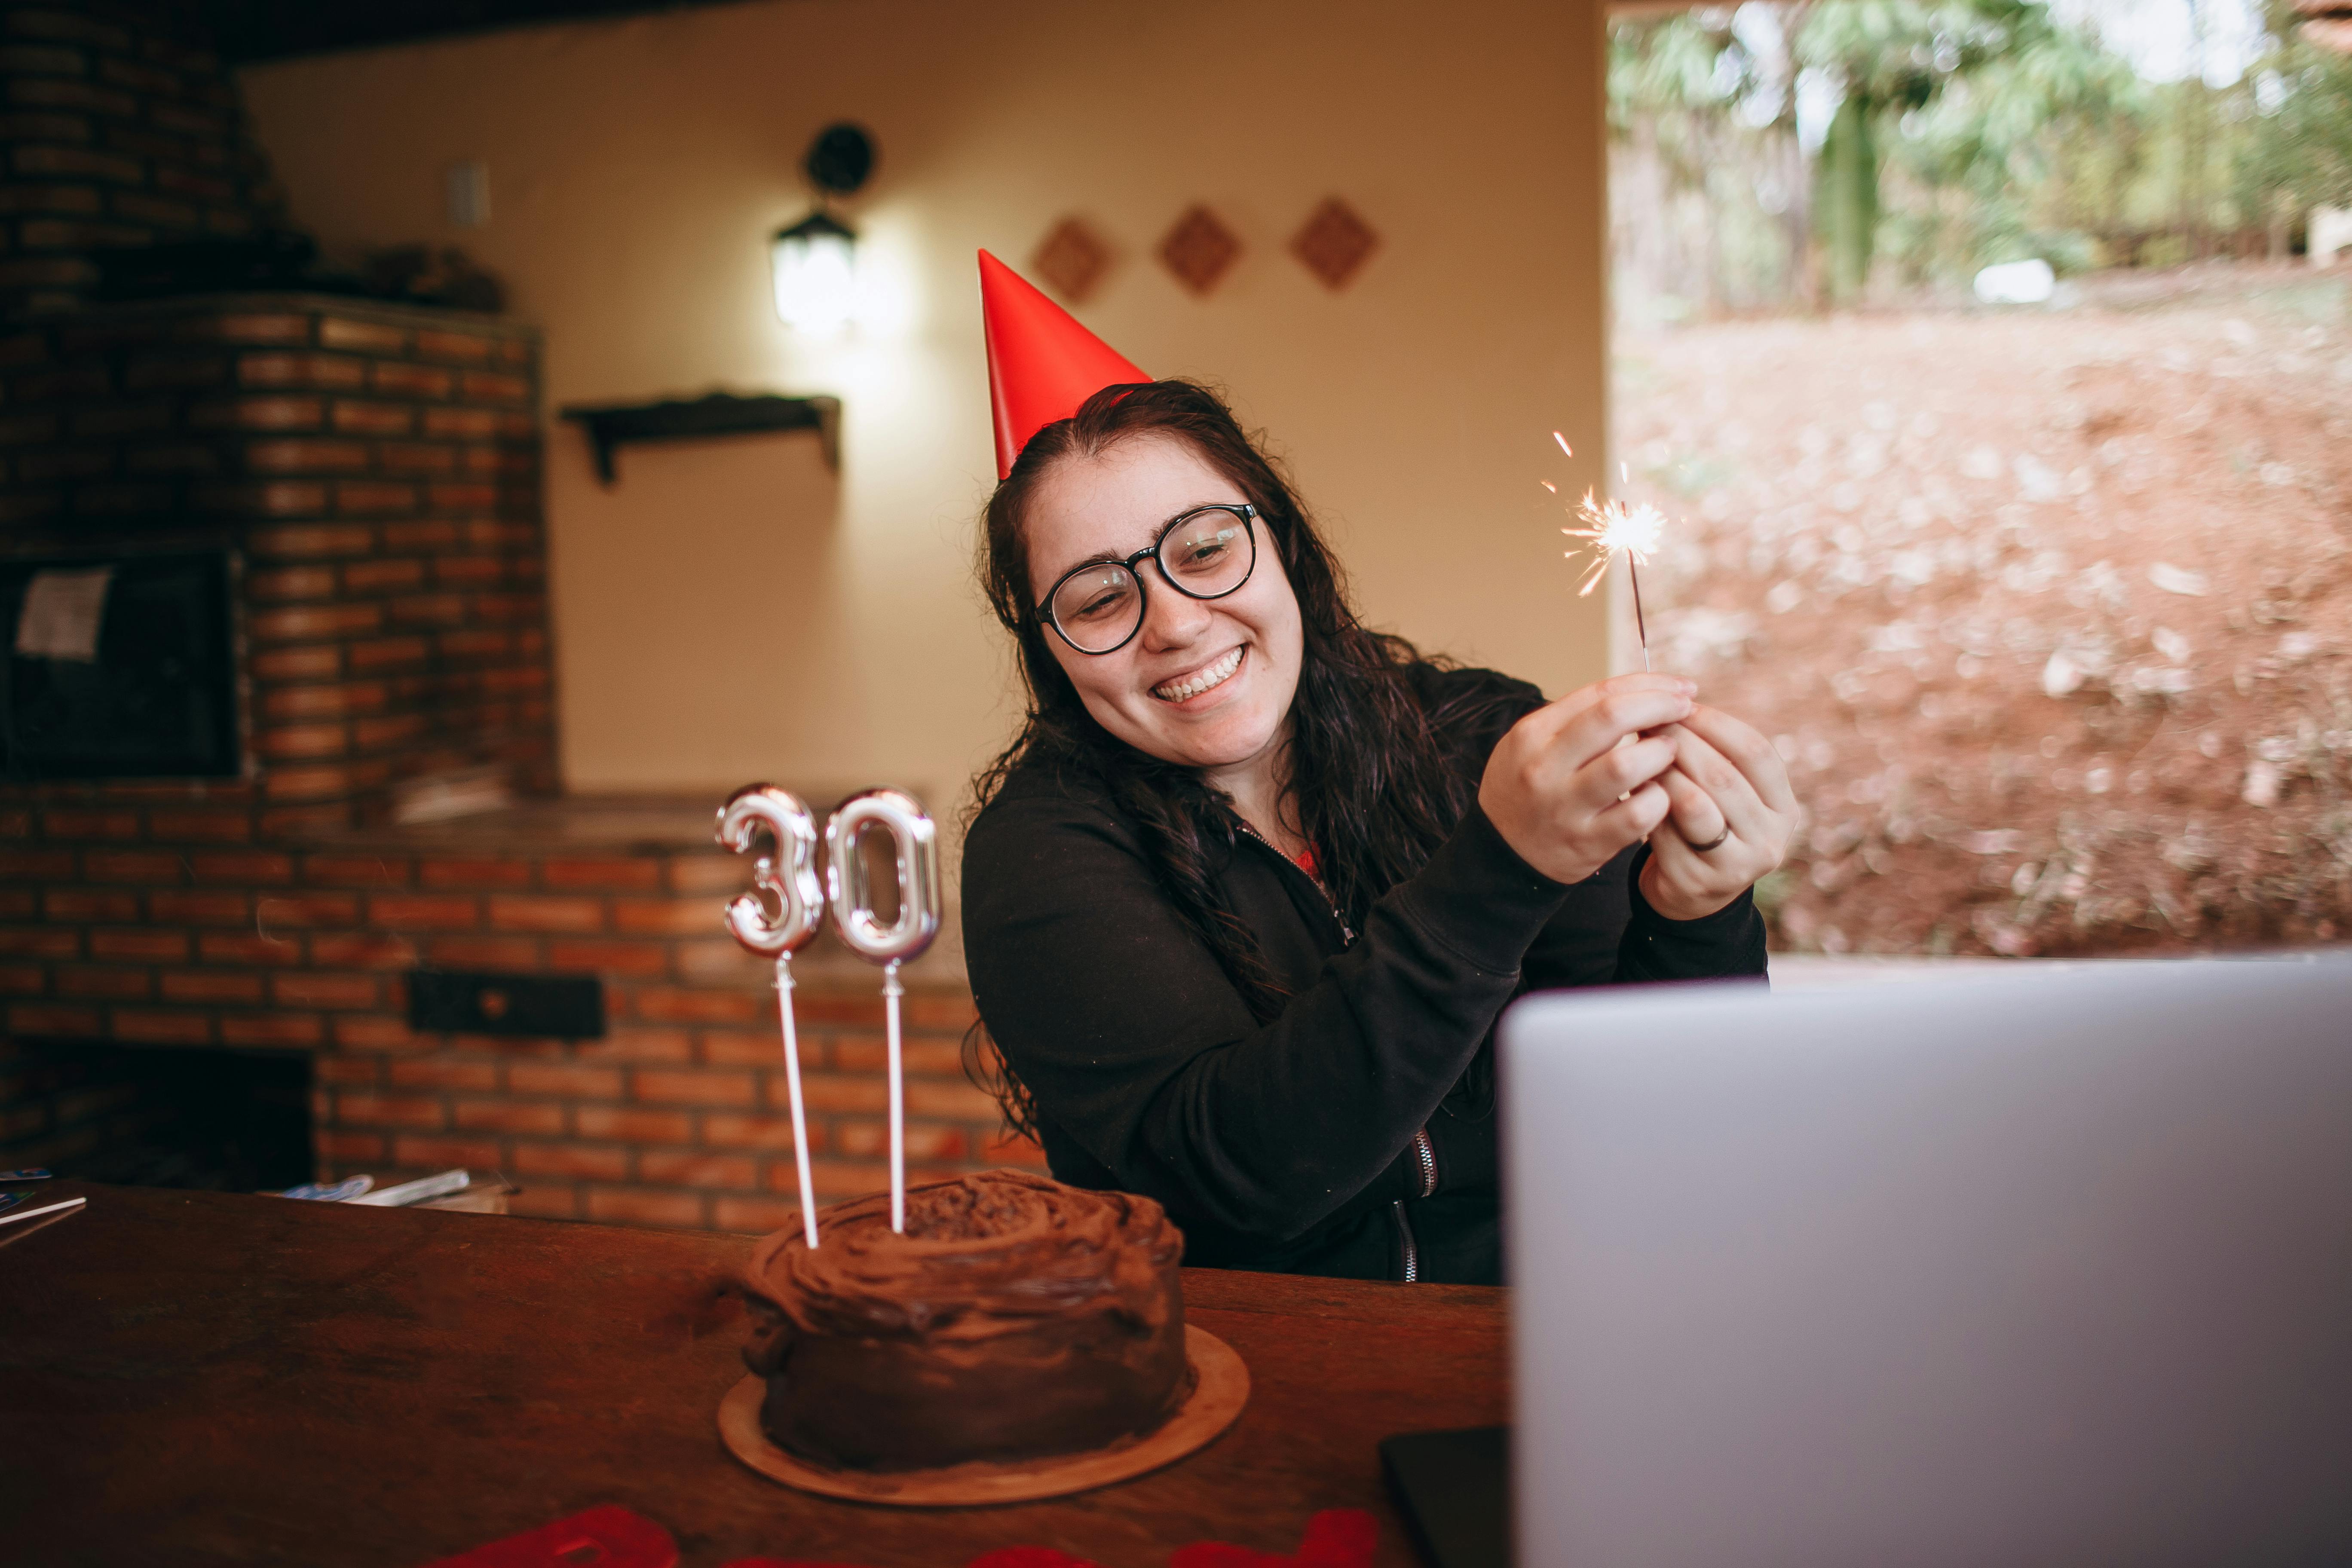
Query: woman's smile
point(1187, 691)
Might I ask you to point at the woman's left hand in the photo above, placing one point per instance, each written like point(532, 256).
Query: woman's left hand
point(1727, 783)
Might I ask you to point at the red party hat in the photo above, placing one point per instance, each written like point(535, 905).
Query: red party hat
point(1041, 363)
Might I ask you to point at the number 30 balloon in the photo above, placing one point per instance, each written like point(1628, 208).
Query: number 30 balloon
point(791, 876)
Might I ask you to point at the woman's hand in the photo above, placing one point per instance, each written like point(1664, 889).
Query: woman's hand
point(1727, 789)
point(1564, 788)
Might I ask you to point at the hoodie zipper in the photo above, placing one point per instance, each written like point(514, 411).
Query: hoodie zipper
point(1424, 1155)
point(1426, 1160)
point(1411, 1274)
point(1347, 934)
point(1425, 1151)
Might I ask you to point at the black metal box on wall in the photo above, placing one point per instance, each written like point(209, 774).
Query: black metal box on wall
point(551, 1006)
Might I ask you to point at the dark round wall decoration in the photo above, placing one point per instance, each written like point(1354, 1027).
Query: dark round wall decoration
point(841, 158)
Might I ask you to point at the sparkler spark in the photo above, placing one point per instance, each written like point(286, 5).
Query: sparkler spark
point(1616, 529)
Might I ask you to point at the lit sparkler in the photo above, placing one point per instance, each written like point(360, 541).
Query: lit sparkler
point(1615, 529)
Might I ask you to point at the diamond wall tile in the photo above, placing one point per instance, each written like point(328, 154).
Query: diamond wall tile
point(1334, 244)
point(1199, 250)
point(1074, 259)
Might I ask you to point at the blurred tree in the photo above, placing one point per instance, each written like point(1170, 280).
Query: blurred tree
point(1674, 88)
point(2029, 156)
point(1889, 59)
point(1845, 196)
point(1944, 134)
point(2298, 152)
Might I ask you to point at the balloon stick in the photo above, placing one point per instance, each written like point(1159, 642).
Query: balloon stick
point(891, 992)
point(793, 1088)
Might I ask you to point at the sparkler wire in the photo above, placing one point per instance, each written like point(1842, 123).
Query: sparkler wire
point(1619, 530)
point(1640, 625)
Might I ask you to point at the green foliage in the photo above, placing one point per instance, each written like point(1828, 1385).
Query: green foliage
point(1708, 126)
point(1964, 133)
point(1895, 55)
point(1677, 83)
point(2298, 149)
point(1959, 90)
point(2025, 156)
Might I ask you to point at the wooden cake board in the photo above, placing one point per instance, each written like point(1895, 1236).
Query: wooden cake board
point(1220, 1388)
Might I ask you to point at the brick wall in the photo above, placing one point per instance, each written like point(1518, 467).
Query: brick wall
point(120, 130)
point(677, 1116)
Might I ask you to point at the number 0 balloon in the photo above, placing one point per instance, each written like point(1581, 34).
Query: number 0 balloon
point(915, 852)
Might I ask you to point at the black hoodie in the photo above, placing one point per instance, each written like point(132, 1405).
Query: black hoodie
point(1294, 1145)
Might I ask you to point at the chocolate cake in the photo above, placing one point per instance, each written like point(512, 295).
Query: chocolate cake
point(1016, 1319)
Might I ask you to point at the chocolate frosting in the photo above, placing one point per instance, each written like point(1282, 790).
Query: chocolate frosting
point(1016, 1318)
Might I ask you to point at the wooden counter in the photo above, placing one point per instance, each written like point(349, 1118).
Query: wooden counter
point(206, 1378)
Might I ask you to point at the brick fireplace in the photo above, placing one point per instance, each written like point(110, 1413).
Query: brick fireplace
point(367, 477)
point(370, 471)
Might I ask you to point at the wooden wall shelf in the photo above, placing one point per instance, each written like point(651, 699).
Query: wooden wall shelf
point(611, 425)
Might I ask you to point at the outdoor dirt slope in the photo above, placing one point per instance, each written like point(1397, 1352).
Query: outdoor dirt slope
point(2049, 611)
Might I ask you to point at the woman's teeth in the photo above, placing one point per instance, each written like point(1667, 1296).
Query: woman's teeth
point(1193, 685)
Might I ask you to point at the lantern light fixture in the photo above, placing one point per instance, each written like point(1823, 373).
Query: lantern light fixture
point(815, 262)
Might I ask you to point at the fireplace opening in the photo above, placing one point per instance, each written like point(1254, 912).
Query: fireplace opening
point(121, 667)
point(163, 1117)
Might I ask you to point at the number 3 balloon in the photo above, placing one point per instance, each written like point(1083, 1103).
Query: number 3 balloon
point(791, 875)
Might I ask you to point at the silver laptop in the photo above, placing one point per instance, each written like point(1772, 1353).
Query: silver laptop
point(2043, 1268)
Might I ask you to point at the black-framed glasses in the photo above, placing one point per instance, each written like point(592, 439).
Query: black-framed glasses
point(1204, 554)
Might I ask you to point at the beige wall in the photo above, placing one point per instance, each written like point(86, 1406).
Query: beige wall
point(730, 610)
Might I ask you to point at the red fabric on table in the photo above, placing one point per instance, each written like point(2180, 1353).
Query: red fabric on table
point(610, 1536)
point(1002, 1557)
point(605, 1536)
point(1336, 1538)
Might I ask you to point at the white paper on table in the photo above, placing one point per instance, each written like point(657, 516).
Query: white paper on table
point(415, 1192)
point(46, 1208)
point(61, 614)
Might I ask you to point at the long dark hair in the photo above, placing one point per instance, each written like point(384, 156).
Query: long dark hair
point(1368, 777)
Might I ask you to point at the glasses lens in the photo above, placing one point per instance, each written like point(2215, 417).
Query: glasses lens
point(1208, 553)
point(1096, 608)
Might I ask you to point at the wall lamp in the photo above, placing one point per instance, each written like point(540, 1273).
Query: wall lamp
point(815, 259)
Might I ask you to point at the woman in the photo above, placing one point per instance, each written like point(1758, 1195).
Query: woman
point(1244, 898)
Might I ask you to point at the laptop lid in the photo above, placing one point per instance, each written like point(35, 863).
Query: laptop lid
point(2040, 1268)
